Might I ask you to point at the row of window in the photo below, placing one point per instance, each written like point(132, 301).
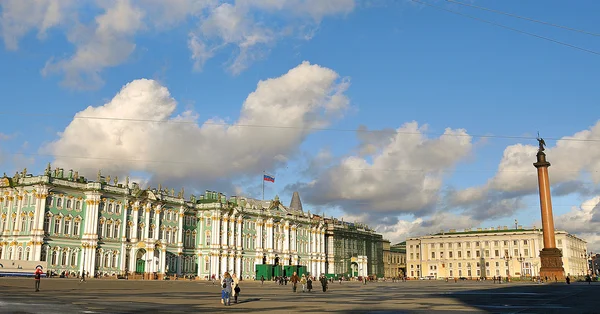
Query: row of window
point(16, 256)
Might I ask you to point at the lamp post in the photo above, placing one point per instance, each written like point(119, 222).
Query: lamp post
point(521, 259)
point(507, 258)
point(84, 246)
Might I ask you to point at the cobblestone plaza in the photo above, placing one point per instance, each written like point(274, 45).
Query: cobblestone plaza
point(121, 296)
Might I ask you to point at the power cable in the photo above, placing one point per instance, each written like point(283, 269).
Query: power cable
point(508, 27)
point(297, 127)
point(524, 18)
point(348, 169)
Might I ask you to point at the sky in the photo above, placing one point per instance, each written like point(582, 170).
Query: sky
point(410, 116)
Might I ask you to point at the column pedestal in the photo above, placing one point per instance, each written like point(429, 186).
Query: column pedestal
point(552, 264)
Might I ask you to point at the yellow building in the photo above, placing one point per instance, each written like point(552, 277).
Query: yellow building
point(488, 253)
point(393, 260)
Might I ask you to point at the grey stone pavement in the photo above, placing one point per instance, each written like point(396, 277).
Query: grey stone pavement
point(120, 296)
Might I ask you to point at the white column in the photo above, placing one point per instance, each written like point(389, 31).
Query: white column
point(238, 265)
point(239, 231)
point(163, 257)
point(232, 232)
point(180, 230)
point(135, 219)
point(19, 207)
point(147, 209)
point(286, 241)
point(259, 234)
point(225, 230)
point(223, 262)
point(157, 222)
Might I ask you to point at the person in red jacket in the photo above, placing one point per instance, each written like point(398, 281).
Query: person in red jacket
point(38, 276)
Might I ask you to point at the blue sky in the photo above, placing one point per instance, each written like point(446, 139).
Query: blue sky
point(389, 63)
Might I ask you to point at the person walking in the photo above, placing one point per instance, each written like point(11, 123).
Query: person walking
point(309, 283)
point(262, 280)
point(37, 275)
point(294, 281)
point(226, 289)
point(323, 282)
point(303, 282)
point(236, 288)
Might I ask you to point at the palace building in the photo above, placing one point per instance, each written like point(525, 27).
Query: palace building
point(111, 228)
point(487, 253)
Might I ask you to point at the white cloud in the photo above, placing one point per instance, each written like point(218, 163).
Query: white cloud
point(572, 159)
point(250, 27)
point(22, 16)
point(401, 171)
point(584, 221)
point(307, 96)
point(106, 43)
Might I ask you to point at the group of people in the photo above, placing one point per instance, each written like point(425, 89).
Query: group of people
point(230, 288)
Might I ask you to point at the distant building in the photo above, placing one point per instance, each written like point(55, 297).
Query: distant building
point(489, 252)
point(400, 248)
point(394, 260)
point(112, 227)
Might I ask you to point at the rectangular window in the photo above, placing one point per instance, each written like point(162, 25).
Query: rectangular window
point(459, 254)
point(450, 254)
point(56, 225)
point(477, 253)
point(526, 252)
point(67, 227)
point(76, 228)
point(433, 255)
point(496, 253)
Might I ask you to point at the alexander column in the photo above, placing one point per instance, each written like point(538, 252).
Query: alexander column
point(551, 257)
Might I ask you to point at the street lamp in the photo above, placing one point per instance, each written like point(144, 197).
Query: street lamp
point(521, 259)
point(507, 258)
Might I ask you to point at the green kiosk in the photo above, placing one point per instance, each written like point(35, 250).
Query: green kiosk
point(269, 271)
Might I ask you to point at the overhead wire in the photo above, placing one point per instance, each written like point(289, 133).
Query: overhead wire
point(524, 18)
point(292, 127)
point(507, 27)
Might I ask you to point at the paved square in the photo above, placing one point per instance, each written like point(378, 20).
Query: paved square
point(120, 296)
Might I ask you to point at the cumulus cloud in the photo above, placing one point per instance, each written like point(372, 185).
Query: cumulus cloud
point(108, 40)
point(573, 162)
point(584, 221)
point(306, 97)
point(22, 16)
point(400, 172)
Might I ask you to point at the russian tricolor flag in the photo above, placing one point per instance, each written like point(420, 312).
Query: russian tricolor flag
point(269, 178)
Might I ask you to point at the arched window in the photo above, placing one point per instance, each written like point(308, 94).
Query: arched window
point(54, 257)
point(59, 202)
point(57, 224)
point(10, 253)
point(98, 260)
point(69, 203)
point(110, 208)
point(168, 237)
point(20, 253)
point(63, 261)
point(207, 238)
point(118, 209)
point(67, 229)
point(78, 205)
point(106, 260)
point(114, 260)
point(2, 224)
point(28, 254)
point(76, 228)
point(140, 232)
point(1, 251)
point(116, 230)
point(109, 230)
point(73, 259)
point(128, 231)
point(173, 235)
point(49, 201)
point(44, 254)
point(23, 223)
point(31, 223)
point(151, 232)
point(47, 224)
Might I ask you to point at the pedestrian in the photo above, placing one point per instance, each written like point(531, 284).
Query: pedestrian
point(294, 281)
point(262, 280)
point(38, 276)
point(323, 282)
point(236, 288)
point(568, 280)
point(309, 283)
point(226, 289)
point(303, 282)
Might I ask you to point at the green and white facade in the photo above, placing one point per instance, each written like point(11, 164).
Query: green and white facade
point(109, 228)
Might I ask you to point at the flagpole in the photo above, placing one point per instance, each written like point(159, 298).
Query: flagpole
point(263, 186)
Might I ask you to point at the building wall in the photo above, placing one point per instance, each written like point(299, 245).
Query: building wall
point(488, 253)
point(109, 227)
